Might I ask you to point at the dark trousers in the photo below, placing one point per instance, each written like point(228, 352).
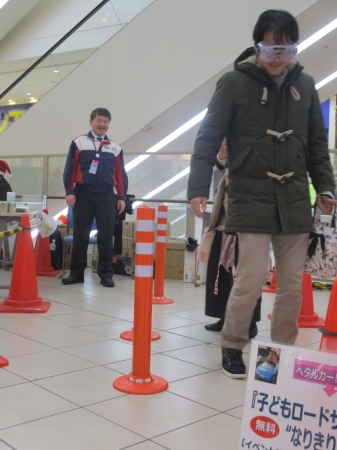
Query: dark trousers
point(89, 205)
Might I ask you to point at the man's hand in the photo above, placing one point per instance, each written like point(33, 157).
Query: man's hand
point(325, 203)
point(70, 200)
point(198, 205)
point(120, 206)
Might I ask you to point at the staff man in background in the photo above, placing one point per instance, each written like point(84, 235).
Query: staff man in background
point(96, 184)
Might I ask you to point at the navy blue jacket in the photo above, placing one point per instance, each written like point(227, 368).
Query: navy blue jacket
point(110, 170)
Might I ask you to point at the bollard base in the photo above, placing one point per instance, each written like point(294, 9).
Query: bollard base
point(40, 308)
point(129, 385)
point(3, 362)
point(128, 335)
point(161, 301)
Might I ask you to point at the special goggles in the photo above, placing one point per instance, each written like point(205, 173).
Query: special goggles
point(269, 52)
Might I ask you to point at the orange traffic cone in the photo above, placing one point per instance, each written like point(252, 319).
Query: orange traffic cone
point(3, 362)
point(271, 288)
point(308, 318)
point(42, 256)
point(329, 330)
point(23, 295)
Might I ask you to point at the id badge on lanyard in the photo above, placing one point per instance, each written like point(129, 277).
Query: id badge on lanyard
point(93, 167)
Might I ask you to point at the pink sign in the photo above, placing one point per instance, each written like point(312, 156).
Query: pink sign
point(316, 373)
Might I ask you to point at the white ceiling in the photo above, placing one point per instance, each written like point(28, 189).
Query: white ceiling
point(22, 44)
point(319, 60)
point(12, 13)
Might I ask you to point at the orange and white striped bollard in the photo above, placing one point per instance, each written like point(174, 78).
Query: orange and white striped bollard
point(159, 273)
point(140, 380)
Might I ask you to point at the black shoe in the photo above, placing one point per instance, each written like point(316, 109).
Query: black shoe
point(107, 282)
point(217, 326)
point(232, 363)
point(72, 279)
point(253, 330)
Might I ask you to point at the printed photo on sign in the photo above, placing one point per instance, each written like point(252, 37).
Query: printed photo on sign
point(267, 364)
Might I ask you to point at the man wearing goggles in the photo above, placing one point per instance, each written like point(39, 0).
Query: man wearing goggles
point(270, 114)
point(269, 52)
point(275, 57)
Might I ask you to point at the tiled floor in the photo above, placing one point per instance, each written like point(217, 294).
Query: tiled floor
point(57, 391)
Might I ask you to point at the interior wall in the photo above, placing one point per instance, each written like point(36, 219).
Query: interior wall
point(160, 57)
point(43, 27)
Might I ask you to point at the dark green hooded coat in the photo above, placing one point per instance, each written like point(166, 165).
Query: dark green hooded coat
point(247, 103)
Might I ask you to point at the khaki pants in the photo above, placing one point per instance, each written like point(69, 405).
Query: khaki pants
point(290, 254)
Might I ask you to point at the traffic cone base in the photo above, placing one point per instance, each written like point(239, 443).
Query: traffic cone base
point(328, 344)
point(310, 321)
point(161, 301)
point(3, 362)
point(139, 386)
point(48, 272)
point(313, 321)
point(128, 335)
point(41, 307)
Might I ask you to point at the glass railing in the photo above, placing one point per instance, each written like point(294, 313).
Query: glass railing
point(27, 80)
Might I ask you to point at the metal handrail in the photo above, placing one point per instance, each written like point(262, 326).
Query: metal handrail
point(54, 47)
point(149, 200)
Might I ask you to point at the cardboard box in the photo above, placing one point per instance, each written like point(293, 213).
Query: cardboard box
point(175, 253)
point(128, 234)
point(189, 268)
point(94, 260)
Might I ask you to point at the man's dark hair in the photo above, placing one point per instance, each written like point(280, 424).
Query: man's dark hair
point(280, 23)
point(100, 112)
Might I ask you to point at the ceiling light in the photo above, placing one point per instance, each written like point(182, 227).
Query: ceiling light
point(163, 186)
point(135, 162)
point(104, 19)
point(178, 132)
point(2, 3)
point(316, 36)
point(326, 80)
point(198, 118)
point(171, 137)
point(56, 71)
point(29, 93)
point(33, 100)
